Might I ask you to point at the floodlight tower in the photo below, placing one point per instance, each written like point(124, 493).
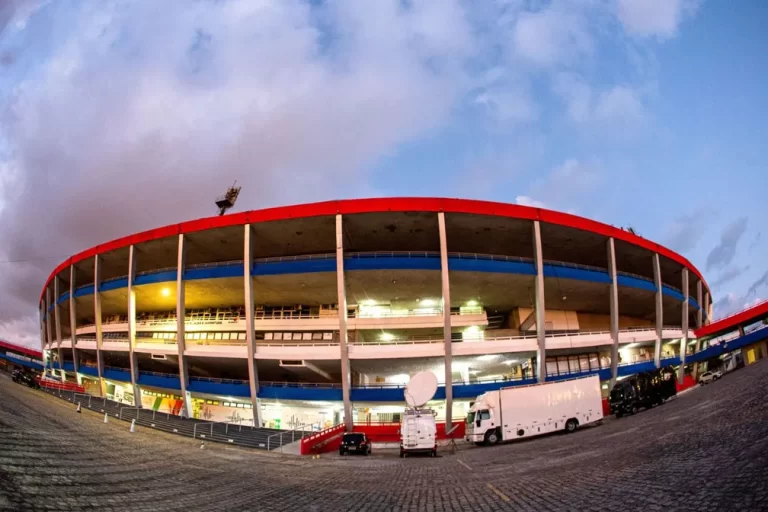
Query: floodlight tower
point(227, 201)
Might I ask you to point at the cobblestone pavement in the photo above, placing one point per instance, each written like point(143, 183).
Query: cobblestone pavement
point(705, 450)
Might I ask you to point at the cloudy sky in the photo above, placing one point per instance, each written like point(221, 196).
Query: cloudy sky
point(121, 116)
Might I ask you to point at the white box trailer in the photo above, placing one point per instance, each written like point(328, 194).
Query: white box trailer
point(524, 411)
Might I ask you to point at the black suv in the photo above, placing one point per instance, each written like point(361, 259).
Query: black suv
point(355, 442)
point(22, 377)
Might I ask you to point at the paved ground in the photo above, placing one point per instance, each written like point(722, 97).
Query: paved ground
point(706, 450)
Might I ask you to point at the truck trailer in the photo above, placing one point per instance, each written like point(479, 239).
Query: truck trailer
point(524, 411)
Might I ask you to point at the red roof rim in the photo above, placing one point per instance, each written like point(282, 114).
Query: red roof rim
point(375, 205)
point(739, 318)
point(19, 348)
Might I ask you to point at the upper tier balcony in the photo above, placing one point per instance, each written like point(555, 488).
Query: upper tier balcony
point(392, 349)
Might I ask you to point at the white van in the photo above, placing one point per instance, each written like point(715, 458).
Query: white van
point(418, 432)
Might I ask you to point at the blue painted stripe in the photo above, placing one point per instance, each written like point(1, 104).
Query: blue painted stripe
point(88, 370)
point(666, 290)
point(82, 291)
point(63, 298)
point(121, 375)
point(233, 270)
point(486, 265)
point(635, 282)
point(692, 302)
point(156, 277)
point(14, 360)
point(113, 284)
point(160, 381)
point(293, 267)
point(391, 263)
point(222, 389)
point(69, 366)
point(579, 274)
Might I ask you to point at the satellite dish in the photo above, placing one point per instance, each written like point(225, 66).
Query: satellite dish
point(420, 389)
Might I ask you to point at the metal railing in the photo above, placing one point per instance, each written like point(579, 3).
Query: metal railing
point(137, 409)
point(210, 426)
point(739, 311)
point(300, 428)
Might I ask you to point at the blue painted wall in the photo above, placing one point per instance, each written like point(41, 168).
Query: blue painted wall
point(160, 381)
point(117, 374)
point(87, 370)
point(20, 362)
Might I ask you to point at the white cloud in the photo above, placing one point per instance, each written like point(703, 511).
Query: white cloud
point(620, 106)
point(529, 201)
point(653, 17)
point(551, 36)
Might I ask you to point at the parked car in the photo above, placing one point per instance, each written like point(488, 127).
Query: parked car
point(355, 442)
point(22, 377)
point(707, 377)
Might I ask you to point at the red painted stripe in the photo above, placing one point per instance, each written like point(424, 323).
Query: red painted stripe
point(21, 350)
point(395, 204)
point(729, 323)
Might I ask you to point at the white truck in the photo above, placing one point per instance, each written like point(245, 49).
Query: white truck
point(418, 432)
point(524, 411)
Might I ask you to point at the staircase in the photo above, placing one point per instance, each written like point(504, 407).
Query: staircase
point(251, 437)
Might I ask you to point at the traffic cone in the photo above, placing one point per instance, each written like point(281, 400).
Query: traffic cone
point(133, 425)
point(106, 418)
point(78, 407)
point(202, 445)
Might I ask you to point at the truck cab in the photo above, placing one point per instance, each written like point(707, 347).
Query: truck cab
point(482, 426)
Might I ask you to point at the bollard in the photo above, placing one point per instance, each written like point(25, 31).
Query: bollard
point(133, 425)
point(202, 445)
point(78, 407)
point(106, 418)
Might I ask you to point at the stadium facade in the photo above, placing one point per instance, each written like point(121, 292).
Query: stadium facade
point(340, 302)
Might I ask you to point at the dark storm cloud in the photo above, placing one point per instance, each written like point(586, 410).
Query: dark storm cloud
point(132, 124)
point(723, 253)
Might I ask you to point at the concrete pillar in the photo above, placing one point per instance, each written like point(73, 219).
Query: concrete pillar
point(97, 323)
point(253, 375)
point(57, 323)
point(342, 298)
point(613, 298)
point(700, 312)
point(132, 326)
point(659, 310)
point(49, 337)
point(73, 324)
point(741, 330)
point(539, 308)
point(43, 349)
point(699, 323)
point(181, 313)
point(684, 339)
point(708, 302)
point(447, 337)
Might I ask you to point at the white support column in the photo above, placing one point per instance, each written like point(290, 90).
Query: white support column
point(659, 310)
point(73, 324)
point(342, 298)
point(43, 349)
point(613, 297)
point(447, 337)
point(700, 312)
point(684, 339)
point(181, 313)
point(538, 288)
point(97, 323)
point(699, 323)
point(47, 306)
point(132, 326)
point(57, 313)
point(253, 374)
point(707, 309)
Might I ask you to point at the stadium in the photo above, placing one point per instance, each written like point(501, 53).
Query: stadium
point(341, 301)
